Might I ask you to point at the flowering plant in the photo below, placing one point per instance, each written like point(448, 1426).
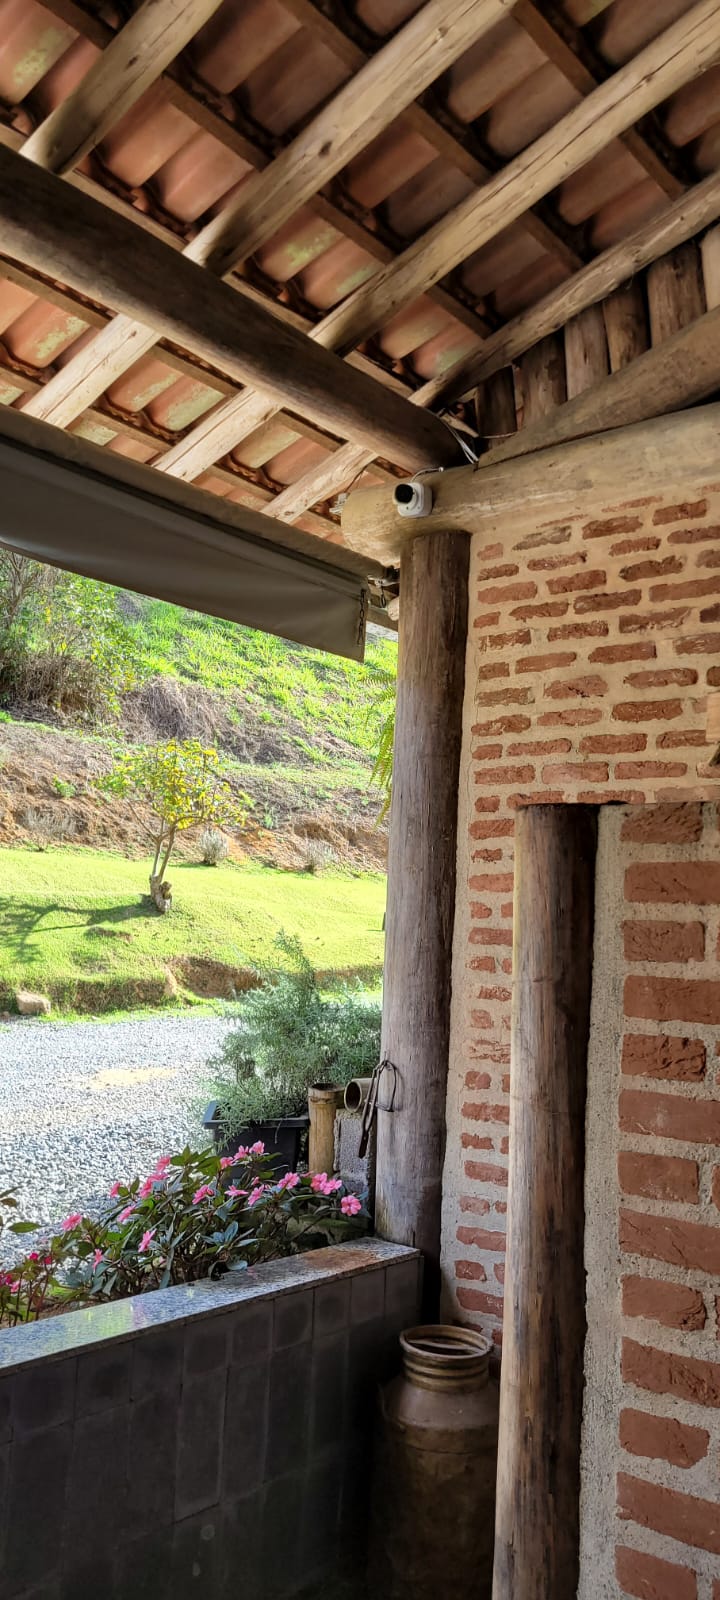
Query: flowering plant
point(197, 1214)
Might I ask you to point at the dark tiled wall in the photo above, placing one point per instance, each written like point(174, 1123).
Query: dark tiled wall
point(226, 1454)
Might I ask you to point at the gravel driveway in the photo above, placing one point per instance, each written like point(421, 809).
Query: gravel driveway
point(84, 1103)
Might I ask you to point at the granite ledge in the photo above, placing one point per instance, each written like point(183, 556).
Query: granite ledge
point(117, 1320)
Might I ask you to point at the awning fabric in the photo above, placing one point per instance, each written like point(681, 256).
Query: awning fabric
point(94, 523)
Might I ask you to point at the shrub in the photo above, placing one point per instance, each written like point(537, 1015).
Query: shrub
point(288, 1037)
point(213, 847)
point(63, 641)
point(195, 1216)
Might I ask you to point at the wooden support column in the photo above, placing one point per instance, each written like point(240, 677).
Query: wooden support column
point(421, 894)
point(541, 1386)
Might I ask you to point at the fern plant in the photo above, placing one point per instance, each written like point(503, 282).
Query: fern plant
point(383, 705)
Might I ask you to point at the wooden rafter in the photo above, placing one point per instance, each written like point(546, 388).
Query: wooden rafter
point(48, 225)
point(675, 56)
point(427, 45)
point(133, 60)
point(687, 216)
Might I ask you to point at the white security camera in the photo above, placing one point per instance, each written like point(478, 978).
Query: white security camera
point(414, 499)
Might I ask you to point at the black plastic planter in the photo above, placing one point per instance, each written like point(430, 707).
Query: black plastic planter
point(283, 1139)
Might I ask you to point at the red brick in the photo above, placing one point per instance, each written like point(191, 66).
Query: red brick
point(508, 570)
point(662, 568)
point(491, 552)
point(710, 614)
point(589, 687)
point(694, 589)
point(662, 1439)
point(474, 1141)
point(693, 535)
point(486, 802)
point(475, 1204)
point(661, 1372)
point(699, 644)
point(674, 883)
point(707, 558)
point(481, 1019)
point(611, 526)
point(505, 775)
point(665, 824)
point(505, 697)
point(476, 1112)
point(553, 563)
point(713, 676)
point(716, 1186)
point(485, 1172)
point(662, 677)
point(687, 509)
point(680, 1516)
point(506, 641)
point(477, 1080)
point(489, 619)
point(482, 1239)
point(560, 658)
point(541, 747)
point(492, 669)
point(576, 772)
point(487, 752)
point(650, 1055)
point(683, 1244)
point(647, 710)
point(471, 1270)
point(649, 1578)
point(642, 651)
point(664, 941)
point(474, 1300)
point(674, 1305)
point(483, 964)
point(642, 770)
point(681, 736)
point(500, 725)
point(670, 1116)
point(606, 797)
point(499, 593)
point(493, 883)
point(577, 630)
point(575, 717)
point(496, 828)
point(606, 602)
point(545, 608)
point(658, 1177)
point(567, 584)
point(492, 1050)
point(646, 622)
point(611, 744)
point(491, 936)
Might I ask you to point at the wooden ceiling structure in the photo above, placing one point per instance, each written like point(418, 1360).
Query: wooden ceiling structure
point(271, 248)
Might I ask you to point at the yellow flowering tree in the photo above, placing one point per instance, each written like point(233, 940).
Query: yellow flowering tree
point(176, 786)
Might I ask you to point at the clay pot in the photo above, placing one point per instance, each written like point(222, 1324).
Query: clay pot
point(434, 1492)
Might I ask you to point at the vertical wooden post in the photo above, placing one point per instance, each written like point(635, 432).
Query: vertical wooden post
point(421, 894)
point(541, 1385)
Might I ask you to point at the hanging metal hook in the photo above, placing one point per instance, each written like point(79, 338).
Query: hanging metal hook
point(371, 1108)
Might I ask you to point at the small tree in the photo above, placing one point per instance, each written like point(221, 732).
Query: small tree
point(176, 786)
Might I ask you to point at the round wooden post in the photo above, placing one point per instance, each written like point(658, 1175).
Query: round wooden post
point(421, 894)
point(541, 1386)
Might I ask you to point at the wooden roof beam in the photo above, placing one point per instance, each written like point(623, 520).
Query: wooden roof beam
point(384, 86)
point(676, 374)
point(676, 56)
point(49, 225)
point(686, 217)
point(134, 59)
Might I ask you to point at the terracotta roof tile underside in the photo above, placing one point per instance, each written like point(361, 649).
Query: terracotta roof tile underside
point(248, 81)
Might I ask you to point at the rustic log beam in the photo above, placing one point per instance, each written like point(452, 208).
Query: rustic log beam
point(46, 224)
point(135, 58)
point(428, 44)
point(710, 251)
point(421, 897)
point(542, 379)
point(586, 351)
point(675, 292)
point(676, 56)
point(498, 499)
point(537, 1529)
point(625, 318)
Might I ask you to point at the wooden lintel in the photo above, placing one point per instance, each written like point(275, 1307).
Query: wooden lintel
point(669, 452)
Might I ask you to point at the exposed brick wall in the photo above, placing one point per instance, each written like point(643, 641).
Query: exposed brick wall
point(593, 647)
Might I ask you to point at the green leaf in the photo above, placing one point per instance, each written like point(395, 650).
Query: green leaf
point(22, 1227)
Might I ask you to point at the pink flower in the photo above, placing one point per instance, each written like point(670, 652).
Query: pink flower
point(227, 1161)
point(332, 1186)
point(146, 1188)
point(146, 1240)
point(129, 1211)
point(257, 1149)
point(13, 1284)
point(241, 1152)
point(290, 1181)
point(33, 1256)
point(234, 1193)
point(115, 1190)
point(317, 1184)
point(47, 1261)
point(350, 1205)
point(161, 1166)
point(71, 1221)
point(255, 1194)
point(201, 1193)
point(97, 1258)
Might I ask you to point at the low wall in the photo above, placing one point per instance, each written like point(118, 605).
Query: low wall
point(211, 1439)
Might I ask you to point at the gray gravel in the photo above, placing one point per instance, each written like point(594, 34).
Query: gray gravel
point(84, 1103)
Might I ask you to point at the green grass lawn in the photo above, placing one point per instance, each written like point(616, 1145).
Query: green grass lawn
point(77, 925)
